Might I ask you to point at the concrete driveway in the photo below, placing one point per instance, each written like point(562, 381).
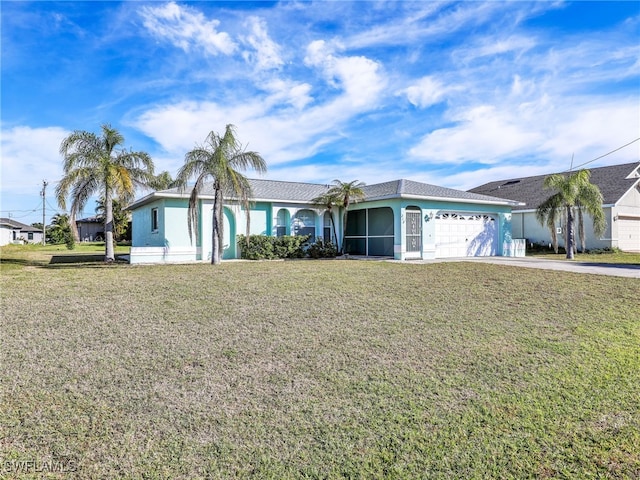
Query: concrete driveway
point(612, 269)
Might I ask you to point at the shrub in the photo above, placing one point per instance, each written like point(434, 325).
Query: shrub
point(263, 247)
point(322, 249)
point(69, 241)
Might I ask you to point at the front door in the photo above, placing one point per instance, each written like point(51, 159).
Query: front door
point(413, 235)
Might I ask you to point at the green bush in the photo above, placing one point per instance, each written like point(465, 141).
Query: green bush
point(322, 249)
point(69, 240)
point(262, 247)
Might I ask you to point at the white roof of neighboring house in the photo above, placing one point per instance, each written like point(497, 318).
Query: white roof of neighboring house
point(7, 222)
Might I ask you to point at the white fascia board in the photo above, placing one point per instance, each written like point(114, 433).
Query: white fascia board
point(511, 203)
point(158, 195)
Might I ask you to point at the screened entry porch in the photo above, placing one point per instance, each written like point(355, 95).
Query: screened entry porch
point(370, 232)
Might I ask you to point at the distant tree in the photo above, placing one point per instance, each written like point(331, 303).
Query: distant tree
point(346, 193)
point(100, 165)
point(60, 229)
point(220, 159)
point(120, 217)
point(163, 181)
point(574, 195)
point(38, 225)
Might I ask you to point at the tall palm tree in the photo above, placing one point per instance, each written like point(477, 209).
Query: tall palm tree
point(100, 165)
point(575, 194)
point(219, 158)
point(328, 201)
point(345, 194)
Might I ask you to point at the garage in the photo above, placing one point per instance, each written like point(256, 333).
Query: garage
point(465, 235)
point(629, 233)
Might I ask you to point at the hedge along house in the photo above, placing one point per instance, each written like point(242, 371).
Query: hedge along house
point(402, 219)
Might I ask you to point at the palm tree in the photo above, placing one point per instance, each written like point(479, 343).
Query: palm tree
point(346, 193)
point(100, 165)
point(120, 217)
point(328, 202)
point(575, 194)
point(219, 158)
point(163, 181)
point(60, 228)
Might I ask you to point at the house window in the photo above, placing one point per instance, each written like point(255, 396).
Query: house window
point(30, 236)
point(304, 223)
point(154, 219)
point(282, 223)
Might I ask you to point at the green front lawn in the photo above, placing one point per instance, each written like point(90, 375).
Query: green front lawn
point(600, 257)
point(319, 369)
point(17, 256)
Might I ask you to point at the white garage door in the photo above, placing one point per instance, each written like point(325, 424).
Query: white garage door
point(462, 235)
point(629, 234)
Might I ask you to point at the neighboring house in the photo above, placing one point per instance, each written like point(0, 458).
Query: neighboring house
point(402, 219)
point(620, 187)
point(16, 232)
point(90, 229)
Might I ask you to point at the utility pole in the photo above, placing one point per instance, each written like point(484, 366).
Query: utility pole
point(44, 229)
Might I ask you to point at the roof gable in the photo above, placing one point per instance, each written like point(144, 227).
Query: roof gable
point(613, 181)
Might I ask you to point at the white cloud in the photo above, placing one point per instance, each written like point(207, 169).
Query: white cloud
point(279, 134)
point(549, 130)
point(360, 77)
point(482, 134)
point(265, 53)
point(288, 92)
point(30, 155)
point(186, 28)
point(425, 92)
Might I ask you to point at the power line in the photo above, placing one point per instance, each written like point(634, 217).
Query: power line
point(608, 153)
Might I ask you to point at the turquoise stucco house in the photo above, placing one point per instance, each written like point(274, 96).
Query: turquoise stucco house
point(402, 219)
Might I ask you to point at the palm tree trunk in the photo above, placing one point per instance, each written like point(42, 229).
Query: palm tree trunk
point(73, 226)
point(583, 239)
point(570, 233)
point(333, 225)
point(109, 255)
point(344, 233)
point(217, 228)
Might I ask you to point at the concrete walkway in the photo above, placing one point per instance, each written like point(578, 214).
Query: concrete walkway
point(612, 269)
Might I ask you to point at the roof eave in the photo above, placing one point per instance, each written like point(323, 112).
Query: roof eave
point(447, 199)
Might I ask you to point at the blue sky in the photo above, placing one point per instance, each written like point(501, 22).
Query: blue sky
point(450, 93)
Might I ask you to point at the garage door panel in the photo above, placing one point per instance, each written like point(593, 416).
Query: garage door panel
point(629, 234)
point(459, 235)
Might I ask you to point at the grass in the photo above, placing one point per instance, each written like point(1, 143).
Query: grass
point(319, 369)
point(84, 253)
point(594, 257)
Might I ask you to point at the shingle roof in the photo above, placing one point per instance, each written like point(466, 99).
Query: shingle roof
point(613, 181)
point(398, 188)
point(267, 190)
point(93, 219)
point(18, 225)
point(275, 190)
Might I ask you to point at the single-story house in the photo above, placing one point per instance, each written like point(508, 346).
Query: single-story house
point(620, 187)
point(90, 229)
point(401, 219)
point(12, 231)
